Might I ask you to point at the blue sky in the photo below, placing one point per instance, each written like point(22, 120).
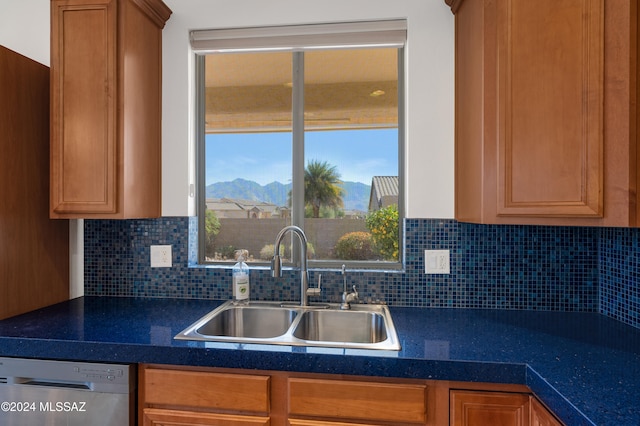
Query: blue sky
point(266, 157)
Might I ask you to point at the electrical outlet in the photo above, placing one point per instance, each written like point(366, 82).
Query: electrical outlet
point(161, 257)
point(436, 262)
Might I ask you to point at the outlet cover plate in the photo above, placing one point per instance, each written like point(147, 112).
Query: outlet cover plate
point(436, 262)
point(161, 256)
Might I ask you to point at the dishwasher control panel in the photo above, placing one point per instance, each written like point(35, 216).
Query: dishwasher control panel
point(98, 372)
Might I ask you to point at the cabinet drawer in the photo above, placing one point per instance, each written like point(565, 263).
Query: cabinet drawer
point(221, 391)
point(159, 417)
point(357, 400)
point(298, 422)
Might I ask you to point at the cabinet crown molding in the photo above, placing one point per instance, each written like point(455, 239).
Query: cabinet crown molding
point(454, 5)
point(156, 10)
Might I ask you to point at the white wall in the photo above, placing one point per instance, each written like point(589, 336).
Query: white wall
point(430, 76)
point(24, 28)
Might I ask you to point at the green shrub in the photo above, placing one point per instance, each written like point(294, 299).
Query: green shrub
point(227, 252)
point(267, 251)
point(212, 227)
point(311, 251)
point(355, 246)
point(383, 225)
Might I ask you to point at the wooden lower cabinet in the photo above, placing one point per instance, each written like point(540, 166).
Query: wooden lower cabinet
point(479, 408)
point(540, 416)
point(183, 397)
point(172, 396)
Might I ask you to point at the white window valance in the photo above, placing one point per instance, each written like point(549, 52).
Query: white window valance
point(349, 35)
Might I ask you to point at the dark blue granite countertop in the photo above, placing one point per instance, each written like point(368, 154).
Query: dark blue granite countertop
point(585, 367)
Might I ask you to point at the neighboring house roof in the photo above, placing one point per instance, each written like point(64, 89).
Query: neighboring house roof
point(218, 205)
point(354, 213)
point(226, 204)
point(252, 204)
point(384, 192)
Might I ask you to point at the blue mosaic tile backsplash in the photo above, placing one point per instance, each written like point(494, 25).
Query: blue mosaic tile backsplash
point(619, 264)
point(497, 267)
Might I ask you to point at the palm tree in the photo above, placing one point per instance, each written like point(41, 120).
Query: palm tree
point(322, 186)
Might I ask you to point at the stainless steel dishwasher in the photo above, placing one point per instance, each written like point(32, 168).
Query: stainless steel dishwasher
point(41, 392)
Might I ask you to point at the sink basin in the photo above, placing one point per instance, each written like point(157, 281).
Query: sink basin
point(341, 326)
point(361, 327)
point(251, 322)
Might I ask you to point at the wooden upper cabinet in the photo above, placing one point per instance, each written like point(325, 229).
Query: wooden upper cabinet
point(550, 102)
point(545, 112)
point(106, 84)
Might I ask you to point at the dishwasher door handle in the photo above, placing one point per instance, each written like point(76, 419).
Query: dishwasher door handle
point(50, 384)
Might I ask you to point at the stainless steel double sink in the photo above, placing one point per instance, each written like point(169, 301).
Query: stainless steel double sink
point(361, 327)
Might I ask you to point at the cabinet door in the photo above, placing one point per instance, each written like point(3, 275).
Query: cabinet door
point(474, 408)
point(540, 416)
point(550, 62)
point(161, 417)
point(83, 106)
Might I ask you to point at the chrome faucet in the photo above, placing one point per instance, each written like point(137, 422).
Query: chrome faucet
point(276, 263)
point(347, 298)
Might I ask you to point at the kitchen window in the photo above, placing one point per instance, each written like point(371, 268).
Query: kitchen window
point(301, 125)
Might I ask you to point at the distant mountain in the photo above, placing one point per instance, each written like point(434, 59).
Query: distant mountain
point(356, 195)
point(275, 192)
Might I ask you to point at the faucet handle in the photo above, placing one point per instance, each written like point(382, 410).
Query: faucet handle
point(347, 298)
point(315, 291)
point(354, 295)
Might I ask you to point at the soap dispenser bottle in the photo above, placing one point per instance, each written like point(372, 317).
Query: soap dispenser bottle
point(240, 281)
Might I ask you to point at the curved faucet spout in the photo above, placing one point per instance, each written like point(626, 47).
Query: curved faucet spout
point(276, 262)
